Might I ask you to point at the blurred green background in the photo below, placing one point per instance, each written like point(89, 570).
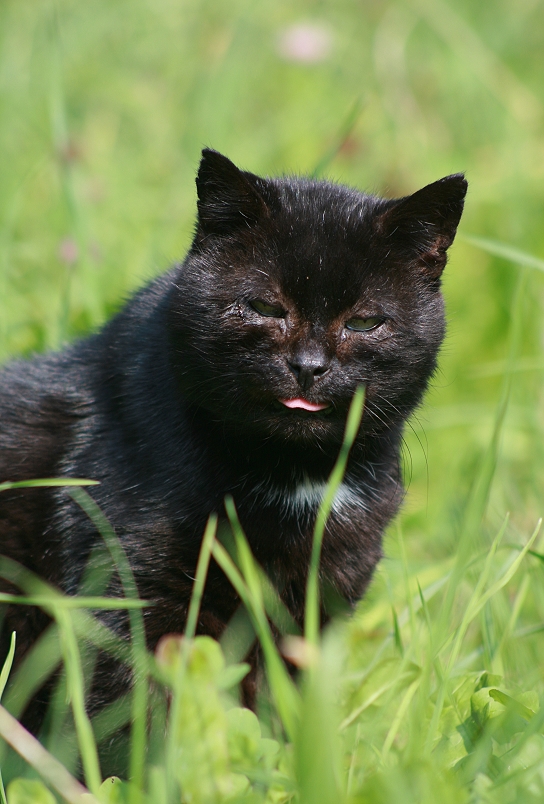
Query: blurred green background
point(105, 106)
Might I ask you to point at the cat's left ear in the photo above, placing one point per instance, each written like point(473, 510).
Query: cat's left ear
point(422, 226)
point(228, 198)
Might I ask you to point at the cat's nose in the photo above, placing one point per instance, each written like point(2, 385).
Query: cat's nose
point(308, 364)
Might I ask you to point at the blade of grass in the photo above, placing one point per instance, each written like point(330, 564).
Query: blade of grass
point(137, 630)
point(312, 619)
point(375, 696)
point(511, 571)
point(238, 637)
point(71, 602)
point(284, 692)
point(477, 601)
point(269, 597)
point(99, 635)
point(498, 665)
point(4, 675)
point(111, 717)
point(406, 579)
point(428, 668)
point(69, 651)
point(47, 483)
point(504, 251)
point(401, 711)
point(396, 632)
point(78, 622)
point(76, 691)
point(57, 726)
point(473, 606)
point(6, 668)
point(478, 498)
point(200, 577)
point(45, 654)
point(317, 748)
point(459, 636)
point(60, 141)
point(42, 761)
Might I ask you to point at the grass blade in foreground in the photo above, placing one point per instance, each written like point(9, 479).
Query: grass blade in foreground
point(4, 675)
point(181, 677)
point(42, 761)
point(319, 760)
point(311, 625)
point(200, 576)
point(139, 651)
point(481, 487)
point(76, 691)
point(284, 692)
point(45, 654)
point(47, 483)
point(505, 251)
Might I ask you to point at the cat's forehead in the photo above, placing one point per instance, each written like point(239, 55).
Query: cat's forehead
point(318, 243)
point(304, 204)
point(325, 243)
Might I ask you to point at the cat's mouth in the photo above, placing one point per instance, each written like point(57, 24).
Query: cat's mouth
point(298, 403)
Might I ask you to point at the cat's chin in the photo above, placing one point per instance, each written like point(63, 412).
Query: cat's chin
point(314, 430)
point(276, 421)
point(315, 423)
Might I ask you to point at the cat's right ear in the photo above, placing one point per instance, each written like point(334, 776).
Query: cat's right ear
point(421, 227)
point(228, 198)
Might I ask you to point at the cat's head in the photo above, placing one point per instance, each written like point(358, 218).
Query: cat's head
point(296, 291)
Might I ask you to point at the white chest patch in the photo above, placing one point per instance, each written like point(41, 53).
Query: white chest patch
point(307, 497)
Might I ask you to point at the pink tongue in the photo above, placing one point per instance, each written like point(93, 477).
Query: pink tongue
point(302, 403)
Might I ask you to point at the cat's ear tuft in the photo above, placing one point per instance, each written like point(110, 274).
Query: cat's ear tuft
point(422, 226)
point(228, 198)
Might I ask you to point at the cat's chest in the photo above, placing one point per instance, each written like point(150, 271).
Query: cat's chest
point(301, 501)
point(279, 518)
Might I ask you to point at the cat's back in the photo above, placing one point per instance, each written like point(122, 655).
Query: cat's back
point(45, 399)
point(40, 401)
point(103, 409)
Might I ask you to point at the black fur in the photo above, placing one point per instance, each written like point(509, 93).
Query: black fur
point(175, 403)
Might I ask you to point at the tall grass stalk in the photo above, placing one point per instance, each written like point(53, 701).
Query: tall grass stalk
point(284, 692)
point(42, 761)
point(312, 618)
point(4, 675)
point(137, 631)
point(76, 691)
point(200, 577)
point(477, 503)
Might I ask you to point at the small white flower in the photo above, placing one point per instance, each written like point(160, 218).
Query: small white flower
point(305, 42)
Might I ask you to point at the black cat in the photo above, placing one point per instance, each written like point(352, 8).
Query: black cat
point(233, 374)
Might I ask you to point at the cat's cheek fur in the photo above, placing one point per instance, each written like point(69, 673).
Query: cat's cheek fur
point(176, 402)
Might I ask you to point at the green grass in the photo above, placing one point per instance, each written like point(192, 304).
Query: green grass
point(431, 691)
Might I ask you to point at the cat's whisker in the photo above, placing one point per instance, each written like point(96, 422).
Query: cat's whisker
point(424, 447)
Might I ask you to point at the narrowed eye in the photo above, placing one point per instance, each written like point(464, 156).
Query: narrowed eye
point(268, 310)
point(364, 324)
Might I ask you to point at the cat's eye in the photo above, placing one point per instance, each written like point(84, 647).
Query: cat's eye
point(364, 324)
point(268, 310)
